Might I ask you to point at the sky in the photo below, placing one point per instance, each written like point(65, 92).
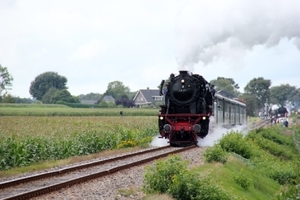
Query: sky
point(141, 42)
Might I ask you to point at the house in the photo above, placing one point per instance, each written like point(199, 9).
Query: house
point(108, 98)
point(146, 97)
point(88, 101)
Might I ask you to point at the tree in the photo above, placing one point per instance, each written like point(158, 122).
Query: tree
point(90, 96)
point(125, 102)
point(24, 100)
point(251, 104)
point(260, 88)
point(5, 79)
point(8, 99)
point(280, 94)
point(43, 82)
point(65, 96)
point(48, 95)
point(295, 96)
point(116, 89)
point(226, 84)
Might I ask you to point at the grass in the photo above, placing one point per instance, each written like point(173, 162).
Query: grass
point(261, 187)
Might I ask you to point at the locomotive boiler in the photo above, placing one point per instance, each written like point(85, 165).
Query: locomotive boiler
point(187, 109)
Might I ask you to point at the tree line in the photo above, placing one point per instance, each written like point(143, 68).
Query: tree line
point(258, 91)
point(51, 88)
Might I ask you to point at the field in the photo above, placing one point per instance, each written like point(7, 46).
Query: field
point(38, 133)
point(62, 110)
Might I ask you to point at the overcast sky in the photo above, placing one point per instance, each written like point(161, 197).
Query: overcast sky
point(94, 42)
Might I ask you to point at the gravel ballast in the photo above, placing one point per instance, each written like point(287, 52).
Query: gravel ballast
point(108, 188)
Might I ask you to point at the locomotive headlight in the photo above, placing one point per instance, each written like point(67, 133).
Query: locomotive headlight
point(161, 118)
point(182, 81)
point(204, 118)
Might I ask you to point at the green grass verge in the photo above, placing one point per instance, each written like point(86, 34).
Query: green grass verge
point(261, 165)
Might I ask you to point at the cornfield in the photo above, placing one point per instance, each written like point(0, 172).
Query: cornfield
point(25, 140)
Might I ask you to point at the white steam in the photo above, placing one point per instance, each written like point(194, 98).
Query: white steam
point(216, 132)
point(159, 142)
point(217, 29)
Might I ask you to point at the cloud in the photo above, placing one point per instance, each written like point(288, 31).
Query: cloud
point(93, 49)
point(140, 42)
point(210, 30)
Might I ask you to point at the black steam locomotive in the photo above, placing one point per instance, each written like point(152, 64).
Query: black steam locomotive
point(188, 107)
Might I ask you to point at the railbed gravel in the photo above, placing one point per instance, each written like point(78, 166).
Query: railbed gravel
point(108, 187)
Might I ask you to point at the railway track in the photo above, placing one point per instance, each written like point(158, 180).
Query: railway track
point(43, 183)
point(259, 124)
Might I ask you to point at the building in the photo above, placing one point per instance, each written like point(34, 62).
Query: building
point(108, 98)
point(89, 102)
point(146, 97)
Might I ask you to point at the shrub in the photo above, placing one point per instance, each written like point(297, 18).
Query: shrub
point(276, 136)
point(235, 142)
point(282, 173)
point(158, 178)
point(291, 192)
point(215, 153)
point(190, 185)
point(172, 176)
point(274, 148)
point(103, 104)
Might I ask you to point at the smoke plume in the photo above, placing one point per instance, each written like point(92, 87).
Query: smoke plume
point(216, 29)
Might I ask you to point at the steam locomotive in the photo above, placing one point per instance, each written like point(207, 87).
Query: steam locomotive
point(189, 104)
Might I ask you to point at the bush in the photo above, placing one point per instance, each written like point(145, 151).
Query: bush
point(172, 176)
point(235, 142)
point(276, 136)
point(190, 185)
point(282, 173)
point(291, 192)
point(158, 178)
point(215, 153)
point(274, 148)
point(103, 104)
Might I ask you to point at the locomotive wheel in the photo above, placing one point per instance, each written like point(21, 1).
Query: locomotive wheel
point(173, 144)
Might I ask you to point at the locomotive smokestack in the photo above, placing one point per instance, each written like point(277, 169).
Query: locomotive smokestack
point(182, 72)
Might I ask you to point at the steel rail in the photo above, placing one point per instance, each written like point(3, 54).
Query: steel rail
point(53, 187)
point(73, 168)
